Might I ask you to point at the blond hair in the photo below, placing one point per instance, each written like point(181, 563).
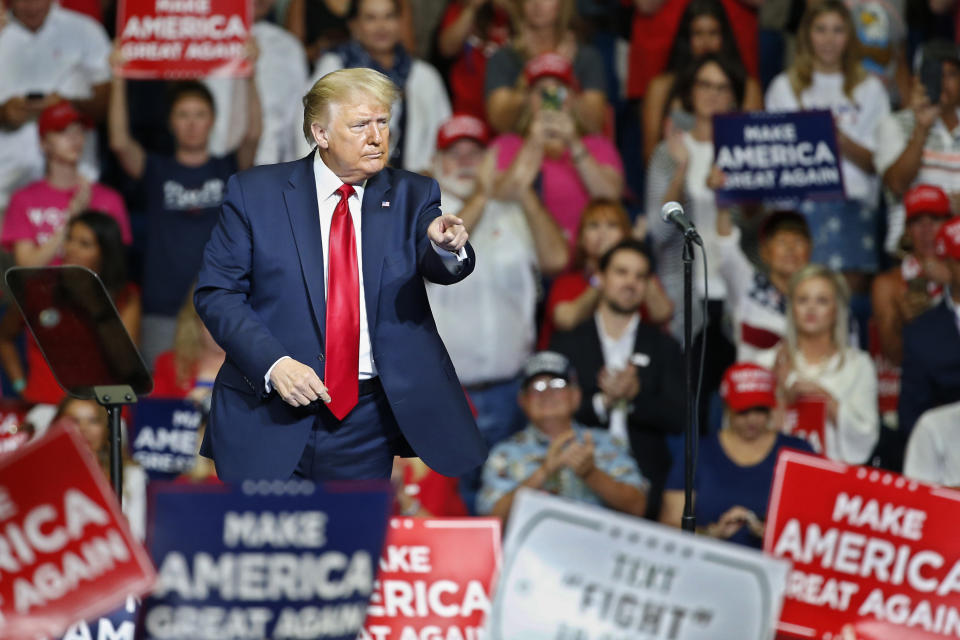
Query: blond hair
point(340, 86)
point(842, 299)
point(565, 15)
point(800, 73)
point(187, 340)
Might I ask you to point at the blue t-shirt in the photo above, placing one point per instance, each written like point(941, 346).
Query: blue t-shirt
point(720, 483)
point(183, 205)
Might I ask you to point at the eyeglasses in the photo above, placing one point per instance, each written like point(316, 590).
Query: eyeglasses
point(706, 85)
point(553, 384)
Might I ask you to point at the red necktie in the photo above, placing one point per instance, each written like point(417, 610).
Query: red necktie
point(343, 310)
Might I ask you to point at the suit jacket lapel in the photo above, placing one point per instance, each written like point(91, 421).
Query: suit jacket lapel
point(300, 197)
point(376, 214)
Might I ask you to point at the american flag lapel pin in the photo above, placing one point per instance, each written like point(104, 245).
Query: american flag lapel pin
point(385, 203)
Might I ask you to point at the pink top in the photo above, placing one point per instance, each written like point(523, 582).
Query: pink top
point(38, 210)
point(564, 195)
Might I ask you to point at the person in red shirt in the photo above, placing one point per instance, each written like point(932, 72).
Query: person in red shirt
point(471, 31)
point(574, 295)
point(189, 369)
point(93, 240)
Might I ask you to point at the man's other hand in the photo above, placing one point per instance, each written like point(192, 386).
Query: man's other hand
point(447, 232)
point(297, 384)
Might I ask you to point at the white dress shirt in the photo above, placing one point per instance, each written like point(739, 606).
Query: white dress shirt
point(616, 357)
point(933, 454)
point(327, 199)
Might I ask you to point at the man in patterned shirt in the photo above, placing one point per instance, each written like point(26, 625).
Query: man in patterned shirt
point(557, 455)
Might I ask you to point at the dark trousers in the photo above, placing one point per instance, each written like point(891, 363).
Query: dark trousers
point(360, 447)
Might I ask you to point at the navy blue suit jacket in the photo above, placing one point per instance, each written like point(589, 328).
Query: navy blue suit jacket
point(931, 365)
point(260, 292)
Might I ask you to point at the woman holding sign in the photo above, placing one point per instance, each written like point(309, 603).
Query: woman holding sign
point(827, 74)
point(817, 367)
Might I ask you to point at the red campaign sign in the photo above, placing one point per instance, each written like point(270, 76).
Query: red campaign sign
point(436, 579)
point(184, 38)
point(66, 552)
point(807, 419)
point(870, 549)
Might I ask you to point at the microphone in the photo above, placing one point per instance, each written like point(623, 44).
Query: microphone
point(672, 212)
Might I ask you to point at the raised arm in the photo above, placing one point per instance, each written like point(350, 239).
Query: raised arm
point(131, 155)
point(247, 150)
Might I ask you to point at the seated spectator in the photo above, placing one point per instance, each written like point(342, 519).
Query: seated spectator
point(931, 343)
point(35, 225)
point(916, 145)
point(569, 167)
point(189, 369)
point(49, 54)
point(544, 27)
point(734, 465)
point(423, 106)
point(816, 363)
point(488, 322)
point(826, 74)
point(757, 299)
point(573, 296)
point(471, 32)
point(631, 372)
point(679, 171)
point(90, 420)
point(704, 28)
point(93, 241)
point(183, 193)
point(281, 74)
point(932, 451)
point(421, 492)
point(905, 291)
point(555, 453)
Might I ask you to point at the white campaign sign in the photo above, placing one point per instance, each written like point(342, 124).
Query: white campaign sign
point(579, 572)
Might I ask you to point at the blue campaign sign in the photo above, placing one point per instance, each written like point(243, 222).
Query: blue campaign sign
point(279, 560)
point(118, 625)
point(165, 436)
point(777, 156)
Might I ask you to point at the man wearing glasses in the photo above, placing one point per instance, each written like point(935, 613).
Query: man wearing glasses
point(555, 454)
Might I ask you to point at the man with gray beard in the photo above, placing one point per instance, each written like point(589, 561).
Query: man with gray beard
point(487, 321)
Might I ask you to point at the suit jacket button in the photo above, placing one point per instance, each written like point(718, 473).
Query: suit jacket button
point(320, 357)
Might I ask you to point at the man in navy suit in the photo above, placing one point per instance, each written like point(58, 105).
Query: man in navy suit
point(931, 343)
point(312, 282)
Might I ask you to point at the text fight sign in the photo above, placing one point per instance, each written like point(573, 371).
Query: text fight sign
point(869, 548)
point(579, 572)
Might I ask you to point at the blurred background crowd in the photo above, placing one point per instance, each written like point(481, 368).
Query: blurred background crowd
point(556, 129)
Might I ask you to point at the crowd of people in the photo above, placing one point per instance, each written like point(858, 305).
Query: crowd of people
point(556, 130)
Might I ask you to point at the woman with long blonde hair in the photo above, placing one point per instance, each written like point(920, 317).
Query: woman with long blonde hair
point(827, 74)
point(817, 362)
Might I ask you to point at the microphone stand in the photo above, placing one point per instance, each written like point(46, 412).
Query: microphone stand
point(688, 520)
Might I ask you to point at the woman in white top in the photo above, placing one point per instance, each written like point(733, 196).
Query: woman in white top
point(679, 170)
point(817, 362)
point(826, 74)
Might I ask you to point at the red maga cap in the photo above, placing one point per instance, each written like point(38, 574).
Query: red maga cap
point(926, 200)
point(549, 65)
point(462, 126)
point(948, 240)
point(747, 386)
point(58, 117)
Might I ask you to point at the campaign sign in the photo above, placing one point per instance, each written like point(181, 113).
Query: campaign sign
point(184, 38)
point(268, 559)
point(870, 549)
point(66, 552)
point(777, 156)
point(120, 624)
point(436, 579)
point(580, 572)
point(165, 436)
point(807, 419)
